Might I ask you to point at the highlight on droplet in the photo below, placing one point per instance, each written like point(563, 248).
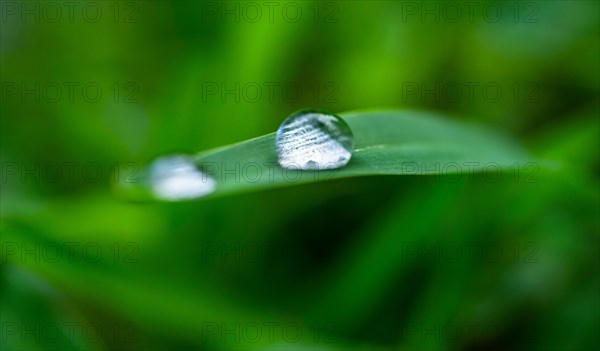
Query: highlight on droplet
point(314, 140)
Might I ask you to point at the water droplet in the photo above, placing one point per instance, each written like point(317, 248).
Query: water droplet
point(314, 140)
point(176, 178)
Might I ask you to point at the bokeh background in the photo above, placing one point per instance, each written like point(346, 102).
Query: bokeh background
point(373, 263)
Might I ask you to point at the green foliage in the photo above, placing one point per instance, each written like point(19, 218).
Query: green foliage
point(360, 262)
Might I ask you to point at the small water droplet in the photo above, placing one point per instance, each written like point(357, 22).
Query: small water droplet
point(314, 140)
point(176, 178)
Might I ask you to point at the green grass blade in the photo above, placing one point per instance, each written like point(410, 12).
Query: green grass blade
point(387, 143)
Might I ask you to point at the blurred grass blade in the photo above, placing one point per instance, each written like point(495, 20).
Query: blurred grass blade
point(387, 142)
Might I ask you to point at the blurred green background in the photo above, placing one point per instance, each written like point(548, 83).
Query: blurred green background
point(373, 263)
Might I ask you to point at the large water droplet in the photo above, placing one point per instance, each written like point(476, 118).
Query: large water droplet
point(314, 140)
point(176, 178)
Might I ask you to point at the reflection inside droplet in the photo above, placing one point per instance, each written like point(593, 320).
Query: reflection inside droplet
point(176, 178)
point(314, 140)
